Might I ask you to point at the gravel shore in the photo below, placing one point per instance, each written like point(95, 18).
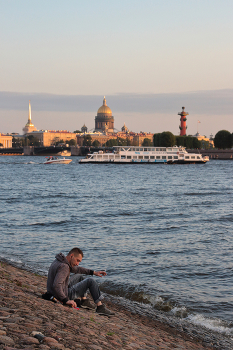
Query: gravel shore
point(29, 322)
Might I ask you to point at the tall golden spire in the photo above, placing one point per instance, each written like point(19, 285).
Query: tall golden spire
point(29, 113)
point(29, 127)
point(29, 123)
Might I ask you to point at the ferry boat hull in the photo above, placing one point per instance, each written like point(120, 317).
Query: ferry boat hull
point(145, 155)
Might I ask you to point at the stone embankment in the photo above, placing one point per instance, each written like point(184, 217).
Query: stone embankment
point(29, 322)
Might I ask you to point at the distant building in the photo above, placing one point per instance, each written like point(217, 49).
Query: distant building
point(104, 121)
point(29, 127)
point(48, 138)
point(183, 119)
point(84, 129)
point(204, 139)
point(5, 140)
point(104, 130)
point(124, 128)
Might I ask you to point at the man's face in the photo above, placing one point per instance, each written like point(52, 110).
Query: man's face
point(75, 260)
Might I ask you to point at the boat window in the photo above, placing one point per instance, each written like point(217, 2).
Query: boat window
point(169, 149)
point(146, 157)
point(169, 157)
point(198, 157)
point(135, 157)
point(141, 149)
point(157, 157)
point(192, 157)
point(128, 157)
point(186, 157)
point(140, 157)
point(163, 157)
point(152, 157)
point(133, 149)
point(99, 156)
point(145, 149)
point(137, 149)
point(157, 149)
point(105, 156)
point(175, 157)
point(117, 156)
point(152, 149)
point(111, 156)
point(122, 157)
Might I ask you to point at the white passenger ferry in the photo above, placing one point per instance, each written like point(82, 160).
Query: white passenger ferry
point(151, 155)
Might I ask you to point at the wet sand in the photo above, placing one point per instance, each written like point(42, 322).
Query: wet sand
point(29, 322)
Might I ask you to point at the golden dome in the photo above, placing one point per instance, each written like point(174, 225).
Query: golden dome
point(104, 110)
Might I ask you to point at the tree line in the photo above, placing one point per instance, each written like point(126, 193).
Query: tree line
point(87, 141)
point(223, 139)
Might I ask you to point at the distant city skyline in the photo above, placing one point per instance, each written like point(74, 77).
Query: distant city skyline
point(149, 113)
point(149, 58)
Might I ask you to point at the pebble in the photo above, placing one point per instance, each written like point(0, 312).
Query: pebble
point(6, 340)
point(28, 322)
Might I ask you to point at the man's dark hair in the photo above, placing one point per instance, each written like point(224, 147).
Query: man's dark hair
point(75, 251)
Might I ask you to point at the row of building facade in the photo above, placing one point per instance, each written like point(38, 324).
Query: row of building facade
point(103, 132)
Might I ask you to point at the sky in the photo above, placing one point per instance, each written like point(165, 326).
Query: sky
point(148, 57)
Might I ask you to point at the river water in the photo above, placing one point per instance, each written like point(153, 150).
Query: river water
point(162, 232)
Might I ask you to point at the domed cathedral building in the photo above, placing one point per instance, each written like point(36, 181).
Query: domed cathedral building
point(104, 121)
point(104, 130)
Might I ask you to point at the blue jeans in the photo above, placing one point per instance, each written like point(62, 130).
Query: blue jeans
point(78, 286)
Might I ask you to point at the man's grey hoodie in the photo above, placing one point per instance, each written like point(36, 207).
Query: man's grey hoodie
point(58, 277)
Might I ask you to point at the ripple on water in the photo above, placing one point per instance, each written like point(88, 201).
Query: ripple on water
point(164, 234)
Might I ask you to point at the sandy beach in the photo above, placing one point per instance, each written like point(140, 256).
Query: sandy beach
point(29, 322)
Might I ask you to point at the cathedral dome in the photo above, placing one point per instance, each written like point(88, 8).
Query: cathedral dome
point(104, 121)
point(104, 110)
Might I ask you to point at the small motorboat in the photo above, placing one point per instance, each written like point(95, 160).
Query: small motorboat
point(56, 160)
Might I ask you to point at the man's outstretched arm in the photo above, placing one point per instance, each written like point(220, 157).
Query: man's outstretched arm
point(100, 273)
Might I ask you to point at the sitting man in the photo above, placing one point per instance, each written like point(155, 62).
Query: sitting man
point(71, 290)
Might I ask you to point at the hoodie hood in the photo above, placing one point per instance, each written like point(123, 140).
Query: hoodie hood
point(61, 257)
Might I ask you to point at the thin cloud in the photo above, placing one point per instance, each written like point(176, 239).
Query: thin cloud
point(215, 102)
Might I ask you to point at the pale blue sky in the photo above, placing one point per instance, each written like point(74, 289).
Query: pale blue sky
point(117, 48)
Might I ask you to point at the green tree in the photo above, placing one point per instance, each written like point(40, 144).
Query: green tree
point(196, 143)
point(223, 139)
point(87, 141)
point(122, 142)
point(77, 132)
point(71, 142)
point(147, 142)
point(30, 140)
point(167, 139)
point(16, 142)
point(95, 143)
point(111, 143)
point(188, 142)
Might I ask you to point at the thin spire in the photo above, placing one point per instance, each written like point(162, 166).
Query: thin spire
point(29, 113)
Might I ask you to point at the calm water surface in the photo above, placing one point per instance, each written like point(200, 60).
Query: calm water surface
point(162, 232)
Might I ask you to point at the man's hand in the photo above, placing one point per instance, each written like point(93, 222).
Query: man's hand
point(71, 303)
point(100, 273)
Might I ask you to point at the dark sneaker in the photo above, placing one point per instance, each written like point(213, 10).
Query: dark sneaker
point(86, 304)
point(78, 302)
point(102, 310)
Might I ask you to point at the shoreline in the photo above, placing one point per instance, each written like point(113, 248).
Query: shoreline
point(23, 311)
